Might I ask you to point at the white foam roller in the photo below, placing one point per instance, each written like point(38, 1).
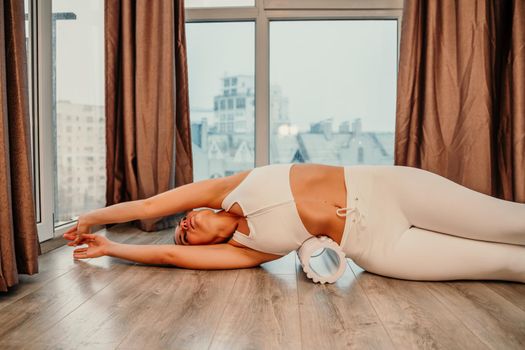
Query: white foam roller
point(329, 265)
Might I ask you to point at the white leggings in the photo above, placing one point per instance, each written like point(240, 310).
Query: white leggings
point(421, 226)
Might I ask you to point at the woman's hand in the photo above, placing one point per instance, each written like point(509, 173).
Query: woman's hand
point(96, 246)
point(76, 233)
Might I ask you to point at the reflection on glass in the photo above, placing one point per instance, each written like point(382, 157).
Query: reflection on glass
point(78, 106)
point(333, 88)
point(222, 97)
point(219, 3)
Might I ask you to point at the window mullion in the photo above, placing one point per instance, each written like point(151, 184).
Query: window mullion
point(262, 81)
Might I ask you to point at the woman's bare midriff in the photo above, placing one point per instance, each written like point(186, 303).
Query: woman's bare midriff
point(318, 190)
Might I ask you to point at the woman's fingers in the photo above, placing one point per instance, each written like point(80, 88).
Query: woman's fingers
point(76, 240)
point(71, 229)
point(82, 255)
point(69, 236)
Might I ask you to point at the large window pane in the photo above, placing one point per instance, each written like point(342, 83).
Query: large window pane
point(219, 3)
point(332, 91)
point(222, 97)
point(78, 106)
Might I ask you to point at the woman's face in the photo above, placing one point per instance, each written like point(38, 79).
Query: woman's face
point(199, 227)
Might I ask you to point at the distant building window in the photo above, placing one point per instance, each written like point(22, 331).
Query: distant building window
point(234, 81)
point(226, 92)
point(223, 104)
point(230, 103)
point(215, 106)
point(234, 92)
point(361, 155)
point(226, 82)
point(240, 103)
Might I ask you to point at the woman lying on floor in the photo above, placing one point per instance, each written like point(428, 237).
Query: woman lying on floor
point(394, 221)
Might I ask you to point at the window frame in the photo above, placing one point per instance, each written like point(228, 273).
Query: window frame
point(266, 11)
point(41, 104)
point(40, 78)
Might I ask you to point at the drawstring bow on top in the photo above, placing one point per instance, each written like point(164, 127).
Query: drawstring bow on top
point(357, 217)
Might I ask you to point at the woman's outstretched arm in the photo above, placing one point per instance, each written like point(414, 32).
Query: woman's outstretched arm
point(205, 193)
point(198, 257)
point(205, 257)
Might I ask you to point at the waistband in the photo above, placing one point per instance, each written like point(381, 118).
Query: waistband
point(359, 182)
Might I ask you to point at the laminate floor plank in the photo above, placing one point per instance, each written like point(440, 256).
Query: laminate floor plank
point(60, 260)
point(338, 316)
point(413, 316)
point(35, 311)
point(103, 320)
point(261, 313)
point(184, 313)
point(512, 291)
point(491, 317)
point(108, 303)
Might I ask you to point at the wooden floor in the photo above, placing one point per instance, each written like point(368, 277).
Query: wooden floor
point(108, 303)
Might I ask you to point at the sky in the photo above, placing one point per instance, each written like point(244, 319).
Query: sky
point(350, 75)
point(80, 52)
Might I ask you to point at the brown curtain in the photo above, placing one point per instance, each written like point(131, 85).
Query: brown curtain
point(461, 93)
point(19, 248)
point(147, 109)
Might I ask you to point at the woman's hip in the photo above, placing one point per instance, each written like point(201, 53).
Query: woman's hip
point(378, 219)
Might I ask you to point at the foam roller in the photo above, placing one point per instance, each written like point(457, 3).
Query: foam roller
point(322, 259)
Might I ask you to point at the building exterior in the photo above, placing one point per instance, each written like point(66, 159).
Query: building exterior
point(80, 159)
point(226, 144)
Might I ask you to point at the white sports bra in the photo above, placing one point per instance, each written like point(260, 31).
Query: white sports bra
point(266, 200)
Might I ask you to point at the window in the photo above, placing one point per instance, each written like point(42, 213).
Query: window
point(240, 103)
point(219, 55)
point(316, 94)
point(78, 41)
point(300, 98)
point(360, 155)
